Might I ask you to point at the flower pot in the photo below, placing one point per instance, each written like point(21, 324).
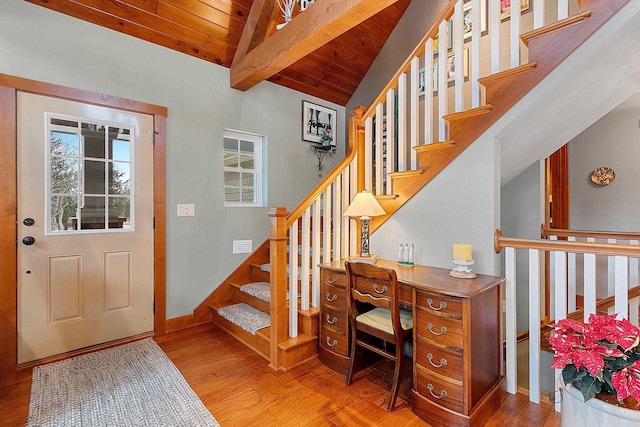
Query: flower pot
point(594, 412)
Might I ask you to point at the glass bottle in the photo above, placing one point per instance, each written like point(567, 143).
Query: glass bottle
point(401, 254)
point(410, 259)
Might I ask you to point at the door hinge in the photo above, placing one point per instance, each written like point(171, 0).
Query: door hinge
point(154, 136)
point(154, 307)
point(154, 222)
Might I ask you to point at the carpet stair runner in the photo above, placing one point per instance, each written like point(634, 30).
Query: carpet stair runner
point(247, 317)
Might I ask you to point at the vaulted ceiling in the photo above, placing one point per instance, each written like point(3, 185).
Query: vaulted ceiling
point(212, 29)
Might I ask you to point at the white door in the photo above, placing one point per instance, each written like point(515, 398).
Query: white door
point(85, 225)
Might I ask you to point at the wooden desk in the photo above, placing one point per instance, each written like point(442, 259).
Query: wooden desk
point(456, 339)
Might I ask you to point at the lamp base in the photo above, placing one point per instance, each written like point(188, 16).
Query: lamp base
point(369, 259)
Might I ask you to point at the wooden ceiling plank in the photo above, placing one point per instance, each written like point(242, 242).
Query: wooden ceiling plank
point(198, 23)
point(148, 5)
point(212, 14)
point(236, 8)
point(320, 23)
point(153, 21)
point(260, 24)
point(312, 90)
point(120, 25)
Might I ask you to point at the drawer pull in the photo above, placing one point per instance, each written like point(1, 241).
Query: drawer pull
point(331, 298)
point(443, 361)
point(443, 330)
point(331, 321)
point(378, 291)
point(443, 305)
point(331, 343)
point(443, 393)
point(332, 279)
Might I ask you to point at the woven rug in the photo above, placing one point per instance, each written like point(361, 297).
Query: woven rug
point(134, 384)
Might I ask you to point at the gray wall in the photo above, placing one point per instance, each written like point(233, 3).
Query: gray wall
point(39, 44)
point(521, 213)
point(612, 141)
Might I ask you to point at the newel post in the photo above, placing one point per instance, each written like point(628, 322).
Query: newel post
point(356, 137)
point(278, 259)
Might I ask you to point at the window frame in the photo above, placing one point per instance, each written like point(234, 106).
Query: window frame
point(259, 145)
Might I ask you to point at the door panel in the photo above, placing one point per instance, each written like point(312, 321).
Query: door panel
point(85, 176)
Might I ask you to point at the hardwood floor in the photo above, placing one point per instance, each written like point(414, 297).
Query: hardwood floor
point(240, 389)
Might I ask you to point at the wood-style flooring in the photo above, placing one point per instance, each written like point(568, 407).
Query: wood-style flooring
point(240, 389)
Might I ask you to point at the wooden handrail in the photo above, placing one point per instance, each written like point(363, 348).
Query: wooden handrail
point(545, 232)
point(356, 116)
point(444, 15)
point(608, 249)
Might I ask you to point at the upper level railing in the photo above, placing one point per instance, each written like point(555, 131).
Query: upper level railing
point(623, 300)
point(460, 48)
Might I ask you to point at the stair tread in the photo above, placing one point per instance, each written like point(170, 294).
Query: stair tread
point(245, 316)
point(506, 74)
point(434, 146)
point(472, 112)
point(567, 22)
point(405, 174)
point(260, 290)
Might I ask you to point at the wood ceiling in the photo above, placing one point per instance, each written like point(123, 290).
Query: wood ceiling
point(211, 30)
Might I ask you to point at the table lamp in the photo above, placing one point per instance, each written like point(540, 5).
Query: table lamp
point(364, 206)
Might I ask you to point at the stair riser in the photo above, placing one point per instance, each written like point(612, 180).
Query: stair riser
point(239, 296)
point(256, 342)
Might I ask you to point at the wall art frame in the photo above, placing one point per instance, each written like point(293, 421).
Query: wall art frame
point(317, 122)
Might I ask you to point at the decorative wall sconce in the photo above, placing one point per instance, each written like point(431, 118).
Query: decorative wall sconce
point(322, 151)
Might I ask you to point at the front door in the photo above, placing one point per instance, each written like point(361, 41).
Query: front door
point(85, 225)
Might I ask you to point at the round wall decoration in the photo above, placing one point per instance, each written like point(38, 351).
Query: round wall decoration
point(603, 176)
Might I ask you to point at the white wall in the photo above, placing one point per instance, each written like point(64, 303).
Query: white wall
point(39, 44)
point(612, 141)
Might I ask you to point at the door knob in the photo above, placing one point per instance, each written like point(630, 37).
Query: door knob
point(28, 222)
point(28, 240)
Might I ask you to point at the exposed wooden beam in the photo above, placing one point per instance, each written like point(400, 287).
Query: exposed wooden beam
point(320, 23)
point(260, 24)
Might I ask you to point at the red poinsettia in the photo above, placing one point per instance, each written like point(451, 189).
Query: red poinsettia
point(602, 355)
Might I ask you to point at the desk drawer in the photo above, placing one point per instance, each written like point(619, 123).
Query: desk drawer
point(442, 330)
point(331, 277)
point(336, 319)
point(333, 295)
point(440, 390)
point(334, 341)
point(439, 304)
point(434, 358)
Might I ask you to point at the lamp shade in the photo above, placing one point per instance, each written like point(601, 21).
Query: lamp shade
point(364, 204)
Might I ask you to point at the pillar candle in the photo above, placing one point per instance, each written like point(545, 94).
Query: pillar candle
point(462, 252)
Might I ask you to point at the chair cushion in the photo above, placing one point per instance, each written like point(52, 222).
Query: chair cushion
point(380, 318)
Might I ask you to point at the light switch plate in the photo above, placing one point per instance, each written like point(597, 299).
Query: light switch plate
point(186, 209)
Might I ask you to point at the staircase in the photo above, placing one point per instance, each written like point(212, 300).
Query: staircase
point(396, 147)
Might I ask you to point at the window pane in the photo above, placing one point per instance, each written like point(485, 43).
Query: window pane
point(94, 177)
point(63, 122)
point(246, 147)
point(230, 144)
point(232, 194)
point(248, 180)
point(64, 175)
point(119, 212)
point(248, 195)
point(119, 146)
point(119, 177)
point(64, 144)
point(64, 212)
point(93, 140)
point(232, 178)
point(247, 162)
point(92, 214)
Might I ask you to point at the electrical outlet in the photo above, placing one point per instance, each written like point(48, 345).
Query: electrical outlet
point(186, 210)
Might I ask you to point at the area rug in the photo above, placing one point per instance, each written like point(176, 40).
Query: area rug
point(134, 384)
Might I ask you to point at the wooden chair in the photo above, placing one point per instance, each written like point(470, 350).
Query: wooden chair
point(375, 318)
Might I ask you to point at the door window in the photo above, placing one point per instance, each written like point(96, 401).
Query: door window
point(90, 176)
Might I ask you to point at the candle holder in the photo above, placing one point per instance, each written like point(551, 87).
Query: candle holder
point(462, 269)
